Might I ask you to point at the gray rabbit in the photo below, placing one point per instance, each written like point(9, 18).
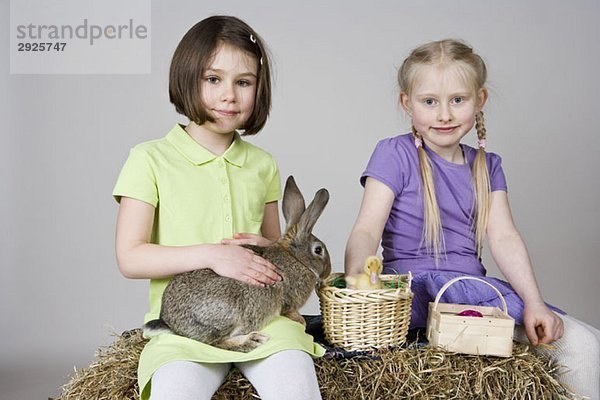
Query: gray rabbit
point(227, 313)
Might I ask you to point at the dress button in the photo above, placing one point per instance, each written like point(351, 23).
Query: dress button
point(226, 198)
point(227, 218)
point(223, 181)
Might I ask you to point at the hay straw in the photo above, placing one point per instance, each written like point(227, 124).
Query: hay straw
point(411, 372)
point(424, 373)
point(113, 376)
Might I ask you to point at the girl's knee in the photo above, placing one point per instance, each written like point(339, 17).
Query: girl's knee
point(580, 344)
point(272, 375)
point(183, 380)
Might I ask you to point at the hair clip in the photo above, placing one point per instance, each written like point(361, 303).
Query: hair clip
point(482, 143)
point(261, 63)
point(418, 142)
point(252, 38)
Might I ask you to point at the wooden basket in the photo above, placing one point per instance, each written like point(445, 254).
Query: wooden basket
point(366, 319)
point(490, 335)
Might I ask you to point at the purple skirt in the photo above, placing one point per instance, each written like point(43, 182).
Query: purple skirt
point(427, 284)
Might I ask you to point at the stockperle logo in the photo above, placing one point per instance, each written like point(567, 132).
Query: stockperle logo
point(80, 37)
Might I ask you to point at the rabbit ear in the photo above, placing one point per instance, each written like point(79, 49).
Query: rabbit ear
point(293, 202)
point(313, 212)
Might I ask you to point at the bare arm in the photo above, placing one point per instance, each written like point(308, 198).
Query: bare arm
point(138, 258)
point(366, 234)
point(510, 254)
point(271, 228)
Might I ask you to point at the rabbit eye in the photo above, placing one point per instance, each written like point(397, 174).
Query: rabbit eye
point(318, 250)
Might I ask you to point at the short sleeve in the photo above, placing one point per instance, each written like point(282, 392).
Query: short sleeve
point(273, 184)
point(497, 178)
point(137, 179)
point(387, 166)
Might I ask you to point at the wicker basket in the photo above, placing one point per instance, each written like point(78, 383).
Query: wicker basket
point(491, 335)
point(366, 319)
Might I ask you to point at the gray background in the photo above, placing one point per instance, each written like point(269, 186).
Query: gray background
point(65, 138)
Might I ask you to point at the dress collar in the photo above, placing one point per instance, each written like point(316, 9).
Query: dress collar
point(198, 155)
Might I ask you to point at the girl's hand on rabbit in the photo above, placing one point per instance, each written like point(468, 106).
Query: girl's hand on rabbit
point(244, 265)
point(541, 324)
point(248, 238)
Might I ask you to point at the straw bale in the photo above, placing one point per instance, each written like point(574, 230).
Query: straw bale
point(413, 371)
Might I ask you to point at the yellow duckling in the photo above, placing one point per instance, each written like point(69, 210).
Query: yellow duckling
point(368, 280)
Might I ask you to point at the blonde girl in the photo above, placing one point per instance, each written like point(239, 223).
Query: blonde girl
point(431, 200)
point(186, 202)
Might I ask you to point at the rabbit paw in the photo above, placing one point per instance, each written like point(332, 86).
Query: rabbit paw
point(243, 343)
point(296, 316)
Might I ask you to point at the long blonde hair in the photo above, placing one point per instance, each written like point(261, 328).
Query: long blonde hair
point(439, 53)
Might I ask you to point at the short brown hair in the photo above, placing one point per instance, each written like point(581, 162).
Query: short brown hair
point(192, 56)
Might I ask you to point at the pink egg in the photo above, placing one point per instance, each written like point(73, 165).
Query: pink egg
point(470, 313)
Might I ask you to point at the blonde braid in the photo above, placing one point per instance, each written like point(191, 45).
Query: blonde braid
point(432, 225)
point(481, 182)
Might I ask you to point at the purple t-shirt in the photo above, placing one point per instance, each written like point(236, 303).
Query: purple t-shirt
point(395, 162)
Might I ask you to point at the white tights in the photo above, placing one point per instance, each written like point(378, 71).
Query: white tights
point(289, 374)
point(579, 351)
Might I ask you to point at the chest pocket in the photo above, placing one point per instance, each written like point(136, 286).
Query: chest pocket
point(252, 195)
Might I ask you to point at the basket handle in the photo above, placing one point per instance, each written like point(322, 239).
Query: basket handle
point(472, 278)
point(409, 279)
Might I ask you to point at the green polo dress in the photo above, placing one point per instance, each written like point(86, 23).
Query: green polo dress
point(202, 198)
